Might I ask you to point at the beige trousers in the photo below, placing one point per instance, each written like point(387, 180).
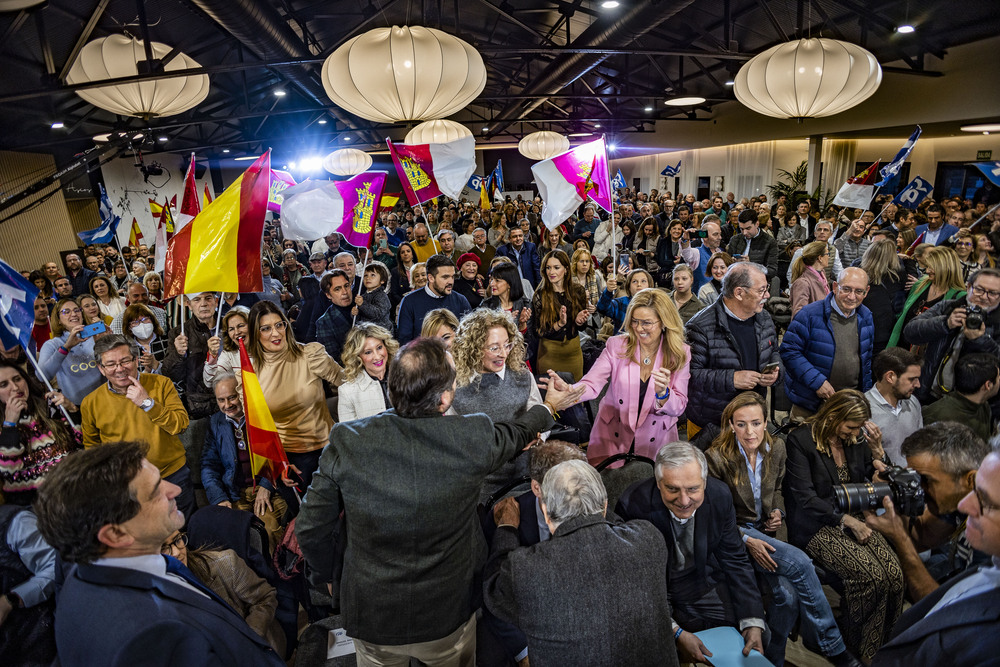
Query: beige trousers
point(456, 650)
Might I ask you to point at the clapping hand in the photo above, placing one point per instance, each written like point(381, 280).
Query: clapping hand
point(661, 381)
point(562, 318)
point(581, 317)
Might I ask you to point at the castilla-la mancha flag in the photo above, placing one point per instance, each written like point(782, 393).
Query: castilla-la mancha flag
point(566, 181)
point(219, 251)
point(858, 192)
point(266, 453)
point(430, 170)
point(313, 209)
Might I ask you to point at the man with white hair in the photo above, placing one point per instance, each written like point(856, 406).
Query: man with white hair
point(615, 613)
point(709, 575)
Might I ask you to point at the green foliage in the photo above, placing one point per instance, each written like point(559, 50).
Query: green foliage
point(790, 182)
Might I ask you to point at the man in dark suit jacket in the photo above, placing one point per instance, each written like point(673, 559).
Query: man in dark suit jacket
point(956, 624)
point(408, 481)
point(615, 612)
point(107, 510)
point(709, 575)
point(936, 231)
point(524, 254)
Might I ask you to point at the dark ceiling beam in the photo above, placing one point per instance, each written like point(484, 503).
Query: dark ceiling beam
point(12, 29)
point(778, 28)
point(43, 41)
point(516, 21)
point(84, 37)
point(356, 30)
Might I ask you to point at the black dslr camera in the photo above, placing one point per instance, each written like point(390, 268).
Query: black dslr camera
point(902, 486)
point(973, 317)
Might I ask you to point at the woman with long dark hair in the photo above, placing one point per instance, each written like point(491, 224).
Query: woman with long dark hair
point(507, 294)
point(558, 311)
point(291, 375)
point(399, 283)
point(35, 434)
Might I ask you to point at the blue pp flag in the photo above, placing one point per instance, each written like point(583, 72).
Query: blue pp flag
point(991, 170)
point(619, 181)
point(913, 194)
point(498, 178)
point(17, 307)
point(671, 171)
point(889, 171)
point(109, 223)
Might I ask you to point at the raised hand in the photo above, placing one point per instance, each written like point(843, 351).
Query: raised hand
point(136, 393)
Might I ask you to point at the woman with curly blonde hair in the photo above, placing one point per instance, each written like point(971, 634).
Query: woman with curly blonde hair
point(492, 378)
point(646, 370)
point(367, 352)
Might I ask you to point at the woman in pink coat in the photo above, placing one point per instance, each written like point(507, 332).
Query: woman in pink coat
point(647, 370)
point(809, 277)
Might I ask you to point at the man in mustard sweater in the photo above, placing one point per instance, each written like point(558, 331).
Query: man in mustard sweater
point(135, 406)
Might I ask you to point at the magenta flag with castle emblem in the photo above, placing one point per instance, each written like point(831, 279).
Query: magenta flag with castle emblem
point(566, 181)
point(430, 170)
point(313, 209)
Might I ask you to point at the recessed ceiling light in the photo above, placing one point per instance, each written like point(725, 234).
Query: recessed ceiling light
point(685, 101)
point(58, 125)
point(597, 125)
point(613, 147)
point(648, 109)
point(347, 138)
point(905, 29)
point(161, 139)
point(322, 121)
point(280, 93)
point(486, 129)
point(225, 150)
point(610, 4)
point(102, 138)
point(246, 158)
point(730, 83)
point(581, 134)
point(983, 127)
point(291, 165)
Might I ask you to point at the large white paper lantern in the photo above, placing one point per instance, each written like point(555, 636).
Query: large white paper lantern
point(116, 56)
point(542, 145)
point(436, 132)
point(396, 74)
point(17, 5)
point(347, 162)
point(808, 78)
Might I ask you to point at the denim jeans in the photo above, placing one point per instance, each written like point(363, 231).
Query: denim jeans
point(795, 589)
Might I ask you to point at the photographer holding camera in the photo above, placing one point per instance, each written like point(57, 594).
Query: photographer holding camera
point(954, 328)
point(946, 455)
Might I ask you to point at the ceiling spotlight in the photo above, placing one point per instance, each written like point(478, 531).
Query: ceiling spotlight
point(730, 83)
point(581, 134)
point(610, 4)
point(984, 127)
point(597, 125)
point(322, 121)
point(310, 164)
point(347, 138)
point(648, 109)
point(161, 139)
point(246, 158)
point(58, 125)
point(685, 101)
point(291, 165)
point(225, 150)
point(486, 129)
point(280, 93)
point(102, 138)
point(613, 147)
point(905, 29)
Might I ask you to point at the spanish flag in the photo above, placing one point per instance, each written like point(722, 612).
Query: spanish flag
point(266, 453)
point(389, 201)
point(135, 236)
point(219, 251)
point(484, 193)
point(156, 209)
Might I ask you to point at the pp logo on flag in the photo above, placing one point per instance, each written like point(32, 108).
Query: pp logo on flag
point(475, 182)
point(916, 192)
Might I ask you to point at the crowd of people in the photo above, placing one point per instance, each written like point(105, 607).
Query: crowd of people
point(452, 401)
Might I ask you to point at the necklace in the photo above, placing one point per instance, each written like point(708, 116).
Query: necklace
point(646, 361)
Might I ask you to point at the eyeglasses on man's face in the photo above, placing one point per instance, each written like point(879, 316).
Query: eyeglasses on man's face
point(115, 365)
point(988, 293)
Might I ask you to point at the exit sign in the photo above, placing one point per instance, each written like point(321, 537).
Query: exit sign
point(984, 155)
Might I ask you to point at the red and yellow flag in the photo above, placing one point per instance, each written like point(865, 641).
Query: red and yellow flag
point(219, 251)
point(266, 452)
point(484, 193)
point(156, 209)
point(135, 236)
point(208, 197)
point(389, 201)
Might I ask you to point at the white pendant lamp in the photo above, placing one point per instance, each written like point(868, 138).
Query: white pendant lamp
point(438, 131)
point(542, 145)
point(347, 162)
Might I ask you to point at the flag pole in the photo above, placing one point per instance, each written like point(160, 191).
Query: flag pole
point(985, 215)
point(614, 255)
point(48, 385)
point(218, 319)
point(368, 253)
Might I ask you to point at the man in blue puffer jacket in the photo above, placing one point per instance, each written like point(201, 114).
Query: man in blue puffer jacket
point(828, 346)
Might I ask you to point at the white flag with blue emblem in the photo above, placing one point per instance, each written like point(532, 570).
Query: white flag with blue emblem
point(619, 181)
point(889, 171)
point(913, 194)
point(17, 307)
point(109, 223)
point(671, 171)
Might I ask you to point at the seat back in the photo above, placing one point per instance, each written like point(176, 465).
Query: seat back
point(616, 480)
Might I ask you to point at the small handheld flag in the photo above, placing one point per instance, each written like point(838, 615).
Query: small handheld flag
point(913, 246)
point(430, 170)
point(190, 206)
point(889, 171)
point(991, 170)
point(913, 194)
point(858, 191)
point(671, 171)
point(267, 456)
point(566, 181)
point(17, 308)
point(106, 231)
point(619, 181)
point(135, 236)
point(313, 209)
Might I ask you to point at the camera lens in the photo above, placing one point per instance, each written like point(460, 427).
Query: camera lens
point(854, 498)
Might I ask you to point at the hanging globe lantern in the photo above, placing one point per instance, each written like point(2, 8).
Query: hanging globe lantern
point(389, 75)
point(17, 5)
point(808, 78)
point(436, 132)
point(347, 162)
point(542, 145)
point(116, 56)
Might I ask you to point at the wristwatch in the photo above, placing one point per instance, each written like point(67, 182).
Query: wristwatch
point(146, 405)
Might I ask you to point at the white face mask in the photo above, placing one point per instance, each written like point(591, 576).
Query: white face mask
point(143, 331)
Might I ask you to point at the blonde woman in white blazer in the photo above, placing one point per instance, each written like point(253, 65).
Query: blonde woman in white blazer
point(367, 352)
